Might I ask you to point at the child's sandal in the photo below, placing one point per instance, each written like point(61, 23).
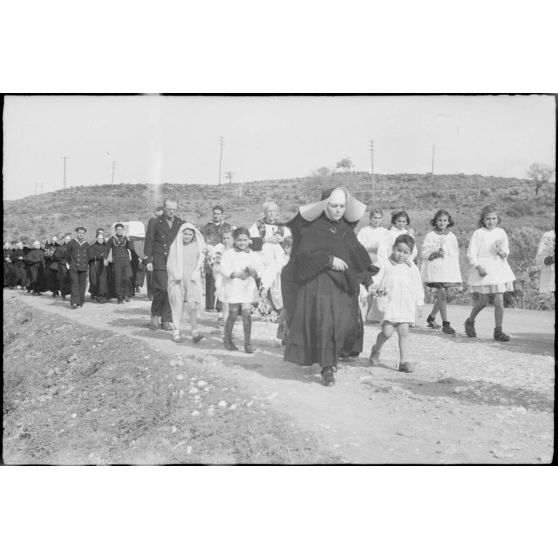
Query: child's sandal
point(499, 335)
point(374, 357)
point(446, 328)
point(470, 328)
point(431, 322)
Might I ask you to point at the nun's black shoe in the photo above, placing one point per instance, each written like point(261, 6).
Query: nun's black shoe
point(328, 377)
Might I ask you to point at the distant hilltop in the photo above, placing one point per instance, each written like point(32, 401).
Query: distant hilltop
point(102, 205)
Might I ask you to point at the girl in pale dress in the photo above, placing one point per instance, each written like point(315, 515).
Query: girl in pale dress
point(440, 266)
point(371, 237)
point(218, 251)
point(545, 259)
point(239, 268)
point(184, 269)
point(400, 224)
point(400, 297)
point(490, 271)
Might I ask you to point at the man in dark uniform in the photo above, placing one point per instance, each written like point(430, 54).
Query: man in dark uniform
point(213, 234)
point(78, 265)
point(161, 231)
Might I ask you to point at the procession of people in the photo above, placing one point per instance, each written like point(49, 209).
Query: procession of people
point(322, 279)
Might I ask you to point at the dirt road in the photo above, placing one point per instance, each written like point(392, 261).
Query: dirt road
point(469, 401)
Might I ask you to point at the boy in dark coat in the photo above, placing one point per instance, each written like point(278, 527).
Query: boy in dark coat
point(77, 263)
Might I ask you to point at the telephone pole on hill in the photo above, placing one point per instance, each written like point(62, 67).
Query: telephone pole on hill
point(220, 160)
point(64, 183)
point(112, 177)
point(432, 176)
point(373, 181)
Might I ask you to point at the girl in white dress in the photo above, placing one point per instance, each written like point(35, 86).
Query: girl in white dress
point(400, 298)
point(239, 268)
point(545, 259)
point(400, 224)
point(184, 270)
point(372, 237)
point(490, 271)
point(440, 266)
point(218, 251)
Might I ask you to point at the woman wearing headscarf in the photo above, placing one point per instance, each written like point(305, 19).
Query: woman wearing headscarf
point(96, 255)
point(184, 271)
point(321, 283)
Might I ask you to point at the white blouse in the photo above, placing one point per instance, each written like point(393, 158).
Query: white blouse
point(404, 291)
point(446, 268)
point(371, 238)
point(546, 248)
point(236, 290)
point(385, 250)
point(483, 250)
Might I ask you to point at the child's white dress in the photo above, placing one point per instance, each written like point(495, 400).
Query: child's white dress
point(440, 272)
point(371, 238)
point(546, 248)
point(385, 249)
point(236, 290)
point(483, 251)
point(271, 280)
point(404, 291)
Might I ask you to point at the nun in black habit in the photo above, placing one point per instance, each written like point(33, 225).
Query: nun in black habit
point(321, 283)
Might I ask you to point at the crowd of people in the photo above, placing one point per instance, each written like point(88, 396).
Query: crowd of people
point(314, 271)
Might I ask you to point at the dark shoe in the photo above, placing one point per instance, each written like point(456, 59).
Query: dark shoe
point(197, 338)
point(229, 345)
point(74, 306)
point(126, 299)
point(446, 328)
point(406, 367)
point(280, 331)
point(374, 357)
point(499, 335)
point(63, 297)
point(167, 326)
point(119, 301)
point(328, 377)
point(249, 349)
point(431, 322)
point(470, 328)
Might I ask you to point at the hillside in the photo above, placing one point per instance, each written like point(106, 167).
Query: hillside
point(525, 216)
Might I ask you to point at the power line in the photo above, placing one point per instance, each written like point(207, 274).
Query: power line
point(64, 183)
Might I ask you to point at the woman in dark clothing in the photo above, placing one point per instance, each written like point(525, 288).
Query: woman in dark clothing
point(60, 258)
point(8, 266)
point(97, 254)
point(321, 283)
point(51, 267)
point(18, 259)
point(35, 268)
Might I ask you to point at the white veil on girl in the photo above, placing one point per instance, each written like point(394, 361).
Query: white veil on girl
point(175, 273)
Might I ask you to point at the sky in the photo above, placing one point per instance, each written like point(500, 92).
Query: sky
point(155, 139)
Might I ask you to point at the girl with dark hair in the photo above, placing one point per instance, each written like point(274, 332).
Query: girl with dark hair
point(490, 273)
point(440, 266)
point(240, 267)
point(400, 224)
point(400, 298)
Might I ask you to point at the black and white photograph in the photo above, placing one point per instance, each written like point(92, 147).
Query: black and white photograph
point(278, 279)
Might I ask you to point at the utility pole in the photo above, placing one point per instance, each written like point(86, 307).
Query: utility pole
point(36, 187)
point(220, 160)
point(433, 151)
point(373, 177)
point(64, 183)
point(112, 177)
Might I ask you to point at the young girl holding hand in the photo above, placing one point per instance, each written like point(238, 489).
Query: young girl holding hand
point(400, 297)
